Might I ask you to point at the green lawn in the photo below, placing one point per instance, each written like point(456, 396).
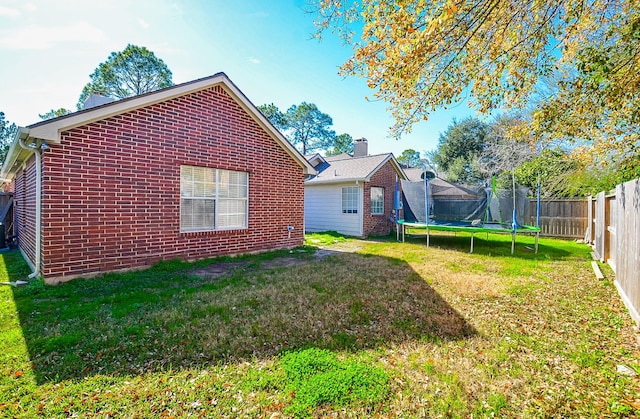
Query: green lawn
point(392, 330)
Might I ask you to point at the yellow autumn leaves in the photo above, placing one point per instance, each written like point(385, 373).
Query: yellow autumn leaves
point(421, 55)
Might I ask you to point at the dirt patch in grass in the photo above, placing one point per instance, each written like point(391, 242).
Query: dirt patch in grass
point(220, 269)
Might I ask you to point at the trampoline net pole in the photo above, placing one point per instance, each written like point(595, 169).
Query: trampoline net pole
point(396, 209)
point(471, 243)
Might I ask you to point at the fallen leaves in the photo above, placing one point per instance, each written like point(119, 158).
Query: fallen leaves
point(538, 339)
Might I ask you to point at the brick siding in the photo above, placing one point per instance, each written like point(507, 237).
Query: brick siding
point(24, 204)
point(380, 225)
point(111, 189)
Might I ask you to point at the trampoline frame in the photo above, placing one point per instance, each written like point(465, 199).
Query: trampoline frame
point(458, 227)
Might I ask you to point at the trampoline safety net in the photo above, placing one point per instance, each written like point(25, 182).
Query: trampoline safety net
point(449, 202)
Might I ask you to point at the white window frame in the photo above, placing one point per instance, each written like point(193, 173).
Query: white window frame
point(379, 203)
point(217, 195)
point(350, 200)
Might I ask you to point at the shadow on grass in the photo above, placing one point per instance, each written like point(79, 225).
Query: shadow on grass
point(167, 318)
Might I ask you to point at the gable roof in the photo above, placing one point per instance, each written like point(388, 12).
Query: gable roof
point(315, 159)
point(344, 168)
point(49, 131)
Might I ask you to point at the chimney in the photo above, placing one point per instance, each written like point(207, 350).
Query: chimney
point(96, 100)
point(360, 148)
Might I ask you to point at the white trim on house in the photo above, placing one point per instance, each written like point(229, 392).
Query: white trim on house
point(50, 131)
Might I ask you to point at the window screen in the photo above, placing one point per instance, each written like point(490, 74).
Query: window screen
point(212, 199)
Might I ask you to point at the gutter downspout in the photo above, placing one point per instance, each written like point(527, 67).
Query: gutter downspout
point(37, 151)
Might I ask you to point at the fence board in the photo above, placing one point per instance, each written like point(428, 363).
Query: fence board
point(590, 218)
point(561, 217)
point(627, 242)
point(600, 226)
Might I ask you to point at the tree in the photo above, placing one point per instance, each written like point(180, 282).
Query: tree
point(410, 158)
point(309, 128)
point(54, 113)
point(8, 131)
point(503, 152)
point(598, 100)
point(459, 149)
point(419, 55)
point(273, 114)
point(555, 169)
point(130, 72)
point(343, 143)
point(303, 125)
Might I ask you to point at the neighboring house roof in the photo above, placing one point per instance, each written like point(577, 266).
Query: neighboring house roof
point(344, 168)
point(340, 156)
point(49, 131)
point(440, 187)
point(414, 173)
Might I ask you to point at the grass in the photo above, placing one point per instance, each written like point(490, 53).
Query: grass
point(325, 238)
point(396, 329)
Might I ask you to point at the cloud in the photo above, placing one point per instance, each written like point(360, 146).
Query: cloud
point(253, 60)
point(143, 23)
point(9, 12)
point(42, 37)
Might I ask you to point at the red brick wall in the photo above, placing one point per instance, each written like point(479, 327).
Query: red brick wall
point(112, 188)
point(379, 225)
point(24, 204)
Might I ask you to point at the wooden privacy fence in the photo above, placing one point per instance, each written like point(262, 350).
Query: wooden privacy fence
point(6, 215)
point(614, 233)
point(560, 217)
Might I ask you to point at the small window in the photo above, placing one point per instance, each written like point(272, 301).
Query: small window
point(377, 201)
point(350, 200)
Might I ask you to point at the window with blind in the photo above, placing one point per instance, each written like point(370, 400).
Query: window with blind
point(377, 200)
point(213, 199)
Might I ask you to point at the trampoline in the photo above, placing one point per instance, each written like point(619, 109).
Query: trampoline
point(438, 205)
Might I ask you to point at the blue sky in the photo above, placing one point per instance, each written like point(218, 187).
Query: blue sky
point(49, 48)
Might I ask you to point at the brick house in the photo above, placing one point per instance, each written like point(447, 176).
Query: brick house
point(189, 172)
point(353, 195)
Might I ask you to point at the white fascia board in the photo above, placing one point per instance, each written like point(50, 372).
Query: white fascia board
point(394, 162)
point(51, 131)
point(268, 126)
point(15, 150)
point(312, 182)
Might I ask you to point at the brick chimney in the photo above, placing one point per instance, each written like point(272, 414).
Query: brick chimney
point(360, 147)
